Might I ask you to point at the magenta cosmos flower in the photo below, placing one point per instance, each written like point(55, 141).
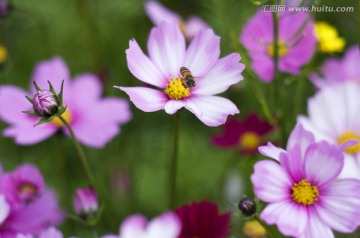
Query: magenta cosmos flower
point(203, 220)
point(166, 46)
point(297, 42)
point(30, 207)
point(158, 13)
point(339, 70)
point(246, 135)
point(333, 116)
point(305, 197)
point(95, 120)
point(165, 226)
point(86, 202)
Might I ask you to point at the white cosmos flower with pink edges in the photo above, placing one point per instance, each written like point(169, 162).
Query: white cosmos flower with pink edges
point(167, 54)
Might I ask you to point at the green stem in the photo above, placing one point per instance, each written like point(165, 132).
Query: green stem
point(174, 163)
point(358, 21)
point(81, 153)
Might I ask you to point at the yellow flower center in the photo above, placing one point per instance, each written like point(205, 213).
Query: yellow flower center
point(66, 115)
point(175, 89)
point(3, 54)
point(253, 229)
point(282, 49)
point(27, 188)
point(348, 136)
point(304, 193)
point(182, 27)
point(329, 41)
point(249, 141)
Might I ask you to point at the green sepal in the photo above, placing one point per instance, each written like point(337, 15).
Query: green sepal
point(30, 99)
point(51, 88)
point(32, 113)
point(60, 95)
point(43, 120)
point(37, 87)
point(60, 111)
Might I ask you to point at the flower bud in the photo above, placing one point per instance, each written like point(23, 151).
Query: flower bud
point(4, 8)
point(247, 206)
point(45, 103)
point(85, 202)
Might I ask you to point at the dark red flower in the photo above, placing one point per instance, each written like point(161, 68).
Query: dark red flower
point(244, 134)
point(202, 220)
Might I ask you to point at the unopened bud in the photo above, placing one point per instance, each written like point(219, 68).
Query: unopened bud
point(86, 202)
point(45, 103)
point(4, 8)
point(247, 206)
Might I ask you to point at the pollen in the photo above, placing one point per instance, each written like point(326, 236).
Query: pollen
point(348, 136)
point(329, 41)
point(27, 188)
point(66, 115)
point(304, 193)
point(249, 141)
point(175, 90)
point(282, 49)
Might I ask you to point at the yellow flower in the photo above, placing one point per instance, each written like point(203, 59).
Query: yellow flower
point(3, 54)
point(253, 229)
point(329, 41)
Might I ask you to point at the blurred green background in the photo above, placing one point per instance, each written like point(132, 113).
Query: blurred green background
point(92, 36)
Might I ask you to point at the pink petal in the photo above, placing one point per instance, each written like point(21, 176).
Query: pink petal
point(166, 46)
point(51, 233)
point(133, 226)
point(55, 70)
point(115, 110)
point(271, 151)
point(86, 86)
point(173, 106)
point(226, 72)
point(293, 163)
point(4, 209)
point(193, 25)
point(142, 67)
point(167, 225)
point(202, 53)
point(339, 206)
point(158, 13)
point(211, 110)
point(323, 163)
point(300, 136)
point(290, 218)
point(351, 167)
point(146, 99)
point(263, 66)
point(316, 227)
point(271, 182)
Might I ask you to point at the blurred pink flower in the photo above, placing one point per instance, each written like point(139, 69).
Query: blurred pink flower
point(305, 197)
point(167, 50)
point(30, 207)
point(203, 220)
point(49, 233)
point(86, 202)
point(95, 120)
point(246, 135)
point(333, 116)
point(296, 45)
point(165, 226)
point(158, 13)
point(339, 70)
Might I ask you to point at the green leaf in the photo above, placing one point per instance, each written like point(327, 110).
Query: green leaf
point(30, 99)
point(32, 113)
point(51, 88)
point(37, 87)
point(258, 2)
point(60, 95)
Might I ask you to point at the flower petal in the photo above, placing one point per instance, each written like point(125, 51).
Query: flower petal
point(86, 86)
point(339, 206)
point(316, 227)
point(226, 72)
point(211, 110)
point(300, 136)
point(351, 167)
point(323, 163)
point(271, 151)
point(271, 182)
point(173, 106)
point(202, 53)
point(293, 163)
point(142, 67)
point(158, 13)
point(290, 218)
point(4, 209)
point(55, 70)
point(146, 99)
point(194, 24)
point(166, 46)
point(167, 225)
point(133, 226)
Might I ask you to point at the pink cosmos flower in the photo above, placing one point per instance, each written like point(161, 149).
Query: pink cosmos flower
point(86, 202)
point(333, 116)
point(95, 120)
point(165, 226)
point(305, 197)
point(166, 46)
point(158, 13)
point(49, 233)
point(247, 135)
point(203, 220)
point(295, 48)
point(29, 206)
point(337, 71)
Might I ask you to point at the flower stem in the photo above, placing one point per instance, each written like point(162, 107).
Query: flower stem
point(81, 153)
point(174, 163)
